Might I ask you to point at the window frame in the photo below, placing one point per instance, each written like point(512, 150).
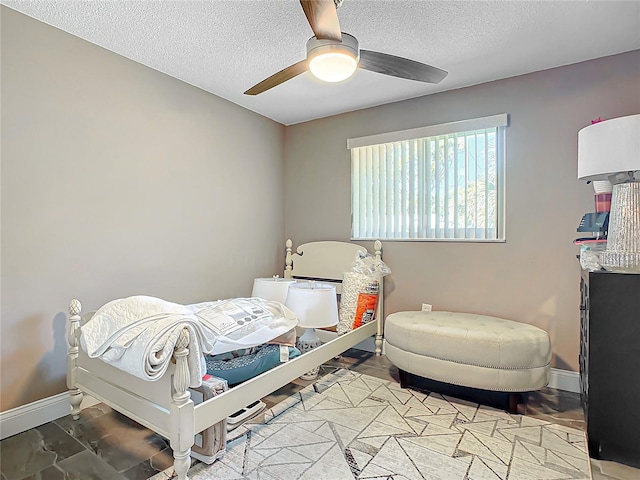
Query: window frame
point(499, 121)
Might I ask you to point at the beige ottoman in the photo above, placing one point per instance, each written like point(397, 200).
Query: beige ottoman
point(469, 350)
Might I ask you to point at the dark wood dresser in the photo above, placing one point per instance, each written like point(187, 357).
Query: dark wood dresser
point(610, 364)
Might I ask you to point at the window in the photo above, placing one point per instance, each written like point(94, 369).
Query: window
point(443, 182)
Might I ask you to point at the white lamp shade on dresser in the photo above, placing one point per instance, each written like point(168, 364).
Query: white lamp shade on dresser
point(274, 288)
point(609, 147)
point(315, 304)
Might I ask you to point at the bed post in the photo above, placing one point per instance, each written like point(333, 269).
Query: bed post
point(182, 412)
point(288, 262)
point(377, 246)
point(75, 395)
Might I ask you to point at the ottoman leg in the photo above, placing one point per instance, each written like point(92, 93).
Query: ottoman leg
point(514, 400)
point(404, 378)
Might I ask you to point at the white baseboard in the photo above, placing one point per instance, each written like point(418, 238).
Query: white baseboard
point(559, 379)
point(20, 419)
point(565, 380)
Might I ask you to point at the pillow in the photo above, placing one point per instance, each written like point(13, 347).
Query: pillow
point(239, 369)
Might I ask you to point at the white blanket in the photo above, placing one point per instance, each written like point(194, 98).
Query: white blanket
point(138, 334)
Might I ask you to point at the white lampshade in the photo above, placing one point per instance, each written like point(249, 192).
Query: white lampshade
point(274, 288)
point(315, 304)
point(609, 147)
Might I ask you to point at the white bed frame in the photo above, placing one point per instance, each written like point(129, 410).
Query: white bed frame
point(165, 405)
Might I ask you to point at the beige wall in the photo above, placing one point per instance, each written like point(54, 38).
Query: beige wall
point(534, 276)
point(119, 180)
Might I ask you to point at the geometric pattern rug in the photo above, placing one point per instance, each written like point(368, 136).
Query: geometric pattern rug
point(352, 426)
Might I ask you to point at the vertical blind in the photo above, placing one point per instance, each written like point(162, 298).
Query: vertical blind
point(447, 186)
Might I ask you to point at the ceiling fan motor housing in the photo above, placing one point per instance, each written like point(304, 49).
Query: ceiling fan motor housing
point(348, 45)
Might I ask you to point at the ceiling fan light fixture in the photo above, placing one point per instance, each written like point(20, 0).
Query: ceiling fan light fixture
point(332, 61)
point(333, 66)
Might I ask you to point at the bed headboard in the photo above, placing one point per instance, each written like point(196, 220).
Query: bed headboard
point(327, 261)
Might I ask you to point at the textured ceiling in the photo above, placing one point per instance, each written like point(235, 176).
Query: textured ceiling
point(225, 47)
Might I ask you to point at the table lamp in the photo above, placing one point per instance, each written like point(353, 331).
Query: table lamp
point(316, 306)
point(274, 288)
point(610, 150)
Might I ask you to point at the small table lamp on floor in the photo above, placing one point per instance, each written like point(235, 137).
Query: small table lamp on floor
point(316, 306)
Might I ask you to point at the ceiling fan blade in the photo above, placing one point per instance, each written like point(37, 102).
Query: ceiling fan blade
point(400, 67)
point(278, 78)
point(323, 19)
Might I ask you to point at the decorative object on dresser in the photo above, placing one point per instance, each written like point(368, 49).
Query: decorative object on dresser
point(610, 150)
point(609, 362)
point(316, 306)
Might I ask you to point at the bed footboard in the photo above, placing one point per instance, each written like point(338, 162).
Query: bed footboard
point(182, 412)
point(181, 423)
point(75, 394)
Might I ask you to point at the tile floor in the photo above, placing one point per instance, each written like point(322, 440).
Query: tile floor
point(104, 445)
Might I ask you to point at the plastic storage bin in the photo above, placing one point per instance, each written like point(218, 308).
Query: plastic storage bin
point(210, 444)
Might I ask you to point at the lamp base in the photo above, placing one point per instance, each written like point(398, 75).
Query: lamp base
point(623, 239)
point(308, 341)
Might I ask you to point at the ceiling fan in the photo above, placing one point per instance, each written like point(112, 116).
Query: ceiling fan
point(333, 55)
